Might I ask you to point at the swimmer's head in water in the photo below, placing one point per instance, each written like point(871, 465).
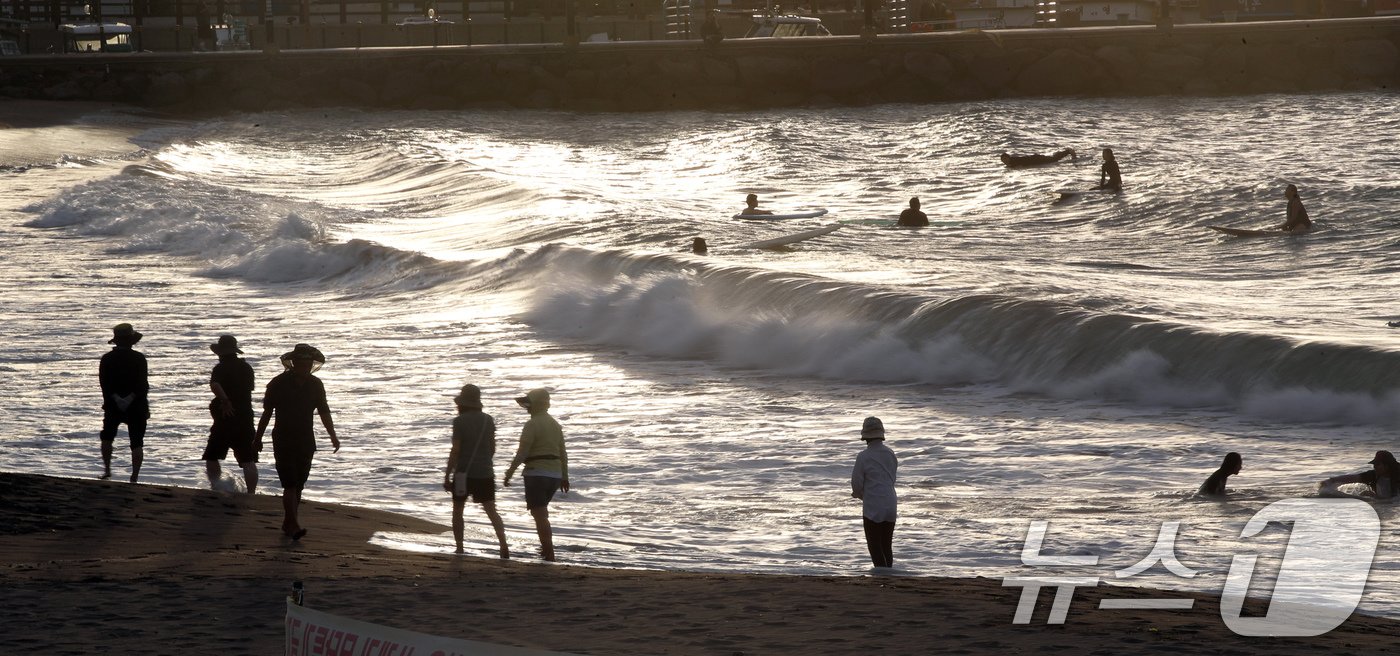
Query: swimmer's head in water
point(1108, 153)
point(1233, 463)
point(751, 199)
point(1291, 191)
point(914, 202)
point(1006, 158)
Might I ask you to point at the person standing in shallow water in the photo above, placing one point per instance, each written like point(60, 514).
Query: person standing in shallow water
point(1383, 478)
point(292, 397)
point(122, 374)
point(470, 472)
point(872, 481)
point(232, 411)
point(1215, 484)
point(546, 464)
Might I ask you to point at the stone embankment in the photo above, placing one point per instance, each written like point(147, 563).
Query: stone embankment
point(1132, 60)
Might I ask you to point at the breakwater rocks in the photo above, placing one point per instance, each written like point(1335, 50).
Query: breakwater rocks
point(1136, 60)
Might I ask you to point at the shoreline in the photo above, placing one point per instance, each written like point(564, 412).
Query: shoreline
point(157, 569)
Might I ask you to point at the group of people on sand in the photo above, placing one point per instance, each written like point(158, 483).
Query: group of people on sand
point(291, 401)
point(1381, 481)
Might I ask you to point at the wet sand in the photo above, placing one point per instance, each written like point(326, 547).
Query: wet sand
point(97, 566)
point(37, 132)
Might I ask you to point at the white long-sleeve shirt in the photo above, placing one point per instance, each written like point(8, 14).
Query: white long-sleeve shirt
point(872, 481)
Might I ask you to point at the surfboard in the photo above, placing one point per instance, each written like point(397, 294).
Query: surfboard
point(794, 237)
point(1244, 232)
point(1071, 193)
point(791, 215)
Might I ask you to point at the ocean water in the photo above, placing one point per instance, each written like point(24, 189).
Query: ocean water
point(1086, 362)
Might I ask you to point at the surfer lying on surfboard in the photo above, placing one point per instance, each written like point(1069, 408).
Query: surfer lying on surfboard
point(1018, 161)
point(751, 206)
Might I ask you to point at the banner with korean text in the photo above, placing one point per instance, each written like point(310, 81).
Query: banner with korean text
point(314, 633)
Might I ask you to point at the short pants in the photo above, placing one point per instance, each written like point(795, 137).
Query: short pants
point(481, 490)
point(539, 490)
point(135, 427)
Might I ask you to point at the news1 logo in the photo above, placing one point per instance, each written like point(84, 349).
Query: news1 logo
point(1319, 583)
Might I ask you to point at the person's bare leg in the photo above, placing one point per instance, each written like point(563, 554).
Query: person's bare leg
point(106, 459)
point(250, 476)
point(213, 471)
point(136, 456)
point(500, 526)
point(291, 499)
point(458, 524)
point(541, 516)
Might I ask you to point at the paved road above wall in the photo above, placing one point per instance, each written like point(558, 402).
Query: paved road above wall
point(1222, 58)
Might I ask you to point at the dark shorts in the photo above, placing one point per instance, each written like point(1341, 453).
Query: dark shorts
point(234, 433)
point(293, 468)
point(135, 427)
point(539, 490)
point(480, 490)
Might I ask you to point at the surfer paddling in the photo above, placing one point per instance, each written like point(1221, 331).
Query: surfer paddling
point(751, 206)
point(1298, 220)
point(1383, 479)
point(1036, 159)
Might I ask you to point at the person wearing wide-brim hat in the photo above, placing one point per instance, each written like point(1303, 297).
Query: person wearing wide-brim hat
point(232, 411)
point(125, 387)
point(546, 463)
point(470, 470)
point(292, 397)
point(872, 481)
point(1383, 478)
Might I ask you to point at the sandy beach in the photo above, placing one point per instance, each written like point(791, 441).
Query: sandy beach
point(104, 567)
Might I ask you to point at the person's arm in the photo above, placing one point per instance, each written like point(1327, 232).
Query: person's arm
point(1103, 175)
point(527, 440)
point(325, 413)
point(1343, 480)
point(226, 404)
point(858, 481)
point(262, 424)
point(563, 466)
point(451, 461)
point(144, 388)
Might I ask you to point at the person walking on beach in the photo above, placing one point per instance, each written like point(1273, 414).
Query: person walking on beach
point(470, 472)
point(122, 374)
point(912, 217)
point(292, 397)
point(872, 481)
point(546, 464)
point(1215, 484)
point(1298, 220)
point(1109, 175)
point(751, 206)
point(232, 411)
point(1383, 478)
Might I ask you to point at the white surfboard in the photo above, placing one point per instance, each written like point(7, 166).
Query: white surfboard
point(795, 237)
point(791, 215)
point(1245, 232)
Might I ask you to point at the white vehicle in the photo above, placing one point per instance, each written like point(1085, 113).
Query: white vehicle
point(96, 37)
point(784, 26)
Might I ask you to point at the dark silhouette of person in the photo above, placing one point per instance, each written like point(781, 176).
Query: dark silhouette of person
point(471, 472)
point(1036, 159)
point(1383, 479)
point(699, 247)
point(122, 373)
point(912, 217)
point(710, 31)
point(1298, 220)
point(872, 481)
point(204, 28)
point(292, 397)
point(232, 411)
point(1215, 483)
point(1109, 175)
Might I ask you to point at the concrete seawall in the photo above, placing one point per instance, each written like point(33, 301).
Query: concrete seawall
point(1340, 54)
